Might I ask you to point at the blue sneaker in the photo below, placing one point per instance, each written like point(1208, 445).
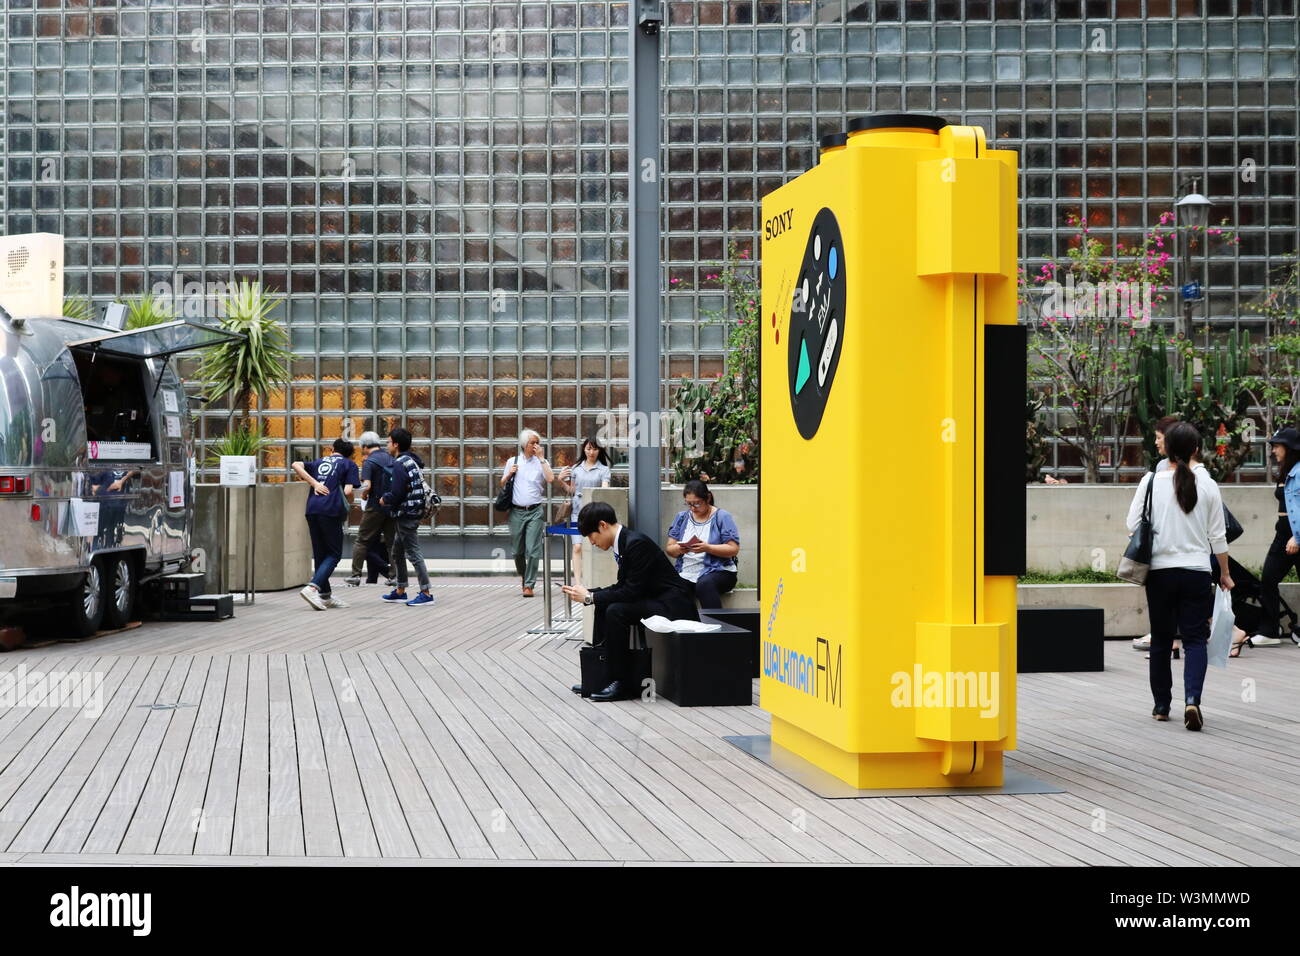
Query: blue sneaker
point(395, 598)
point(423, 599)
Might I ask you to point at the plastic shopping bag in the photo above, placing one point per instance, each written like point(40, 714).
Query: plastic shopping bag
point(1220, 628)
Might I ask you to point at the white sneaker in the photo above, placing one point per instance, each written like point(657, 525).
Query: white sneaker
point(312, 597)
point(1261, 640)
point(1142, 643)
point(332, 601)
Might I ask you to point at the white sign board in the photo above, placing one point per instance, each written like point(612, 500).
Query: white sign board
point(119, 450)
point(169, 401)
point(85, 518)
point(175, 489)
point(238, 470)
point(115, 316)
point(31, 275)
point(173, 426)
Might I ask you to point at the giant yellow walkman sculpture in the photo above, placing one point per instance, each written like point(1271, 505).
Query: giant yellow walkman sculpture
point(892, 473)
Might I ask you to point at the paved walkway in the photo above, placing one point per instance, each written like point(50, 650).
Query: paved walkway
point(379, 733)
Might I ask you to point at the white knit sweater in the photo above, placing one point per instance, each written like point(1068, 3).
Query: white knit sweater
point(1182, 540)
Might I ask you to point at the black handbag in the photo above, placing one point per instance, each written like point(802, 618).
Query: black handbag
point(506, 496)
point(1231, 525)
point(1135, 564)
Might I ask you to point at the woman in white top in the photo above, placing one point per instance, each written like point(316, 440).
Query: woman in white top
point(1187, 524)
point(591, 472)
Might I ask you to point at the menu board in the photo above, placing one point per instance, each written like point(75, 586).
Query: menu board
point(119, 451)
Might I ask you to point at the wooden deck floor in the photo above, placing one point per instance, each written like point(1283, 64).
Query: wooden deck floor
point(379, 733)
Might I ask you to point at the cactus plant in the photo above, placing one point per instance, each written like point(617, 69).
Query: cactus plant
point(1215, 401)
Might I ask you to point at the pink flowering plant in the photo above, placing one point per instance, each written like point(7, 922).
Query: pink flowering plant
point(1088, 315)
point(727, 405)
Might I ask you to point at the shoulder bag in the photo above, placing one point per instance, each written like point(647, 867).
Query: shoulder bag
point(1135, 564)
point(506, 496)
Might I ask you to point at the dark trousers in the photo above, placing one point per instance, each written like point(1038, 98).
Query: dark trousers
point(1277, 565)
point(613, 624)
point(326, 548)
point(1179, 600)
point(374, 544)
point(711, 586)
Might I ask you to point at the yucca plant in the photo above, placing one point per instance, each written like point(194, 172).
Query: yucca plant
point(257, 363)
point(76, 307)
point(146, 310)
point(244, 439)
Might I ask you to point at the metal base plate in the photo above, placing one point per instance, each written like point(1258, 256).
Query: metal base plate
point(831, 787)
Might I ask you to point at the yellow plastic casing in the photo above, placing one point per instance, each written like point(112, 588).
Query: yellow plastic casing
point(877, 614)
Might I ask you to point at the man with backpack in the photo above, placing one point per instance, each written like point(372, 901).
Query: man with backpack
point(409, 500)
point(377, 529)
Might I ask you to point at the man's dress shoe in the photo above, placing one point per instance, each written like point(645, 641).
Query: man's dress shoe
point(613, 692)
point(576, 688)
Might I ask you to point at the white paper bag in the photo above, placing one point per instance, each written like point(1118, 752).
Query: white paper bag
point(1220, 628)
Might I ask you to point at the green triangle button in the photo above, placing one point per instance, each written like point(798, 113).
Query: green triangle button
point(805, 368)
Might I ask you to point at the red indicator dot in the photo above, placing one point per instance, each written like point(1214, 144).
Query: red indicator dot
point(773, 320)
point(778, 336)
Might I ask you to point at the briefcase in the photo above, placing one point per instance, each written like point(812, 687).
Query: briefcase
point(596, 673)
point(595, 669)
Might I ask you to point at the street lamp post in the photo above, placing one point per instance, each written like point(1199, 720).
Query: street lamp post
point(1193, 213)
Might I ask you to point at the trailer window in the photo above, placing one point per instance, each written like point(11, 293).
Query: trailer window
point(117, 397)
point(16, 425)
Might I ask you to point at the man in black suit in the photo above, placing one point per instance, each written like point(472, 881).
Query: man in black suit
point(647, 585)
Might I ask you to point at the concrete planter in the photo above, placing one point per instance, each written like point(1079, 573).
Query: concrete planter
point(282, 557)
point(1082, 526)
point(1125, 605)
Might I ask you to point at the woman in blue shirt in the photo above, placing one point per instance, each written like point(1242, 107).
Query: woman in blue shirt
point(705, 541)
point(1284, 552)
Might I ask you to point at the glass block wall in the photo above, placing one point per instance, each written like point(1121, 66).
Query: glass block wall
point(440, 188)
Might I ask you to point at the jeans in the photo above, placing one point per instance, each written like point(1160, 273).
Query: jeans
point(526, 538)
point(711, 586)
point(1179, 601)
point(1277, 565)
point(406, 544)
point(374, 544)
point(326, 548)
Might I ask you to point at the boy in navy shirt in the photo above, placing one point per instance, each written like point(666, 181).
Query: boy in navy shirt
point(332, 479)
point(405, 499)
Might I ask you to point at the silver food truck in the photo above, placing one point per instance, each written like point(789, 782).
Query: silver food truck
point(96, 465)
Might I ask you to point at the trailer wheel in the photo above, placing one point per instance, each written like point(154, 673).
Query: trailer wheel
point(86, 609)
point(120, 591)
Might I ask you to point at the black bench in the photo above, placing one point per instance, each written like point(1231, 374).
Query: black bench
point(1060, 638)
point(703, 669)
point(745, 617)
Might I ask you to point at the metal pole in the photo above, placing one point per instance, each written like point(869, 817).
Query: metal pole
point(223, 558)
point(547, 626)
point(645, 175)
point(568, 601)
point(252, 549)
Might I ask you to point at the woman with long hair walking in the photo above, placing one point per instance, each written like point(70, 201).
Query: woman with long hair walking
point(1186, 515)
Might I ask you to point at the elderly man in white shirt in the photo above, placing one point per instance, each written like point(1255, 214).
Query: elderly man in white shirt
point(527, 523)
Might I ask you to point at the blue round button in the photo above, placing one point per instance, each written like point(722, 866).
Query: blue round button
point(832, 264)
